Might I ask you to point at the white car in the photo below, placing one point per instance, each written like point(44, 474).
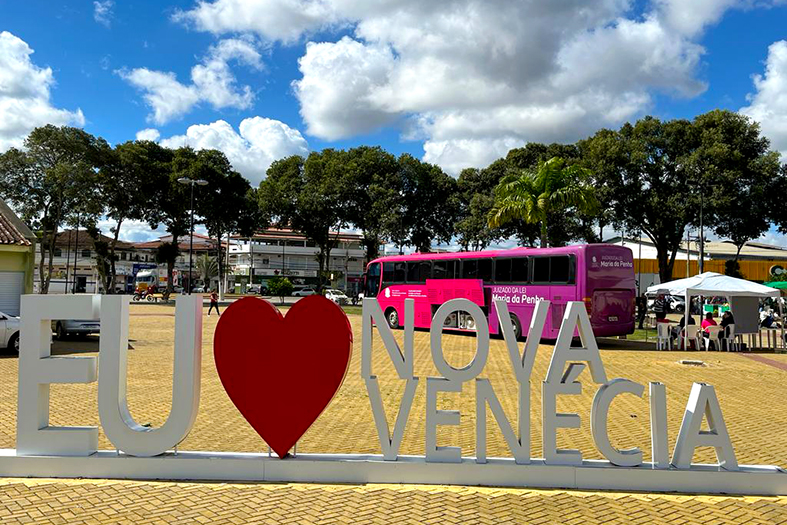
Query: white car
point(9, 332)
point(337, 296)
point(303, 292)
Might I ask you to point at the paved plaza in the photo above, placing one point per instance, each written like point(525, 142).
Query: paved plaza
point(751, 393)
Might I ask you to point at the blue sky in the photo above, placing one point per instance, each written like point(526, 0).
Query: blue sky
point(457, 83)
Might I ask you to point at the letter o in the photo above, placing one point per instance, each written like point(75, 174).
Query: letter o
point(474, 368)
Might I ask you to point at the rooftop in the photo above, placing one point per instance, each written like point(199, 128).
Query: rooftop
point(12, 230)
point(716, 249)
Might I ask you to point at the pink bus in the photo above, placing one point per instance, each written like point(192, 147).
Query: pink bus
point(600, 275)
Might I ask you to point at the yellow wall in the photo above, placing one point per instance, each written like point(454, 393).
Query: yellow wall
point(752, 270)
point(18, 259)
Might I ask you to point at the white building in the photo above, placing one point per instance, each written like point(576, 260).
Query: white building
point(275, 252)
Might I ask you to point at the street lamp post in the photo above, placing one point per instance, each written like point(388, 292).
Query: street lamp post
point(192, 182)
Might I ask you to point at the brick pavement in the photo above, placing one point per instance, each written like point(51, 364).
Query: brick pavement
point(742, 385)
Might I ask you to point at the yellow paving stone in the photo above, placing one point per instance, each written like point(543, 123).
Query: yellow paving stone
point(756, 419)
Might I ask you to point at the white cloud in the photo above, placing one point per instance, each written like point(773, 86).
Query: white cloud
point(335, 91)
point(475, 75)
point(284, 20)
point(25, 94)
point(148, 134)
point(768, 105)
point(102, 12)
point(212, 82)
point(259, 142)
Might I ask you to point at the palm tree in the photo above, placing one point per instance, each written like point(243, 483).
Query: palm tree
point(207, 268)
point(532, 195)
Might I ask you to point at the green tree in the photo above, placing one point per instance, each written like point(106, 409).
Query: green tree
point(532, 195)
point(374, 187)
point(280, 286)
point(739, 173)
point(645, 167)
point(429, 207)
point(167, 253)
point(310, 196)
point(50, 178)
point(475, 197)
point(169, 200)
point(207, 268)
point(123, 188)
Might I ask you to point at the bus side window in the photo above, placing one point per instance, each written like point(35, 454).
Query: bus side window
point(440, 269)
point(559, 272)
point(540, 269)
point(503, 271)
point(418, 271)
point(469, 269)
point(424, 271)
point(400, 272)
point(388, 272)
point(485, 270)
point(452, 270)
point(519, 270)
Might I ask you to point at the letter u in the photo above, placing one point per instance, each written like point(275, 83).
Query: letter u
point(118, 424)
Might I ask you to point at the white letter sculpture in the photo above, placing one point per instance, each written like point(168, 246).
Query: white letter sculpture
point(403, 362)
point(118, 424)
point(38, 369)
point(703, 403)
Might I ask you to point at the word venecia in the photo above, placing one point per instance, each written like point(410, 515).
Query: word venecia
point(38, 370)
point(565, 366)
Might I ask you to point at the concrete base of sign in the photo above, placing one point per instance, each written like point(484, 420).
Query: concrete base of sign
point(358, 469)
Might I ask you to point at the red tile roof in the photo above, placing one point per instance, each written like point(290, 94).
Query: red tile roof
point(13, 230)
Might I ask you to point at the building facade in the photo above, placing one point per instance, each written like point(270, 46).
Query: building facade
point(284, 252)
point(758, 261)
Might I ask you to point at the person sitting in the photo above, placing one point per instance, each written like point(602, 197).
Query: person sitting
point(677, 331)
point(726, 320)
point(708, 321)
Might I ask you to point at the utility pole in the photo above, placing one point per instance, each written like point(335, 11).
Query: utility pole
point(192, 182)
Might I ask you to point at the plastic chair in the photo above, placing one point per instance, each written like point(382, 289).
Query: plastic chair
point(663, 339)
point(714, 337)
point(731, 341)
point(695, 335)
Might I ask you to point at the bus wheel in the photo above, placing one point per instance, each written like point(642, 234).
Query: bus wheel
point(393, 318)
point(517, 326)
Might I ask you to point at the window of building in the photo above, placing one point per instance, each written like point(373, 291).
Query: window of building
point(266, 261)
point(85, 253)
point(122, 256)
point(58, 252)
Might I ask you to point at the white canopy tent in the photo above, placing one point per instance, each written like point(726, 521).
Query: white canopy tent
point(711, 284)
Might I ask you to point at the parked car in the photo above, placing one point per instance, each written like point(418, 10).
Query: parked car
point(264, 291)
point(337, 296)
point(65, 328)
point(253, 289)
point(9, 332)
point(199, 289)
point(303, 292)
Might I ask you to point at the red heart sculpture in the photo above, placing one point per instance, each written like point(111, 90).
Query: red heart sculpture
point(282, 372)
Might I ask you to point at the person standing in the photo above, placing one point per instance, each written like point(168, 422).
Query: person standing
point(642, 309)
point(660, 308)
point(214, 303)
